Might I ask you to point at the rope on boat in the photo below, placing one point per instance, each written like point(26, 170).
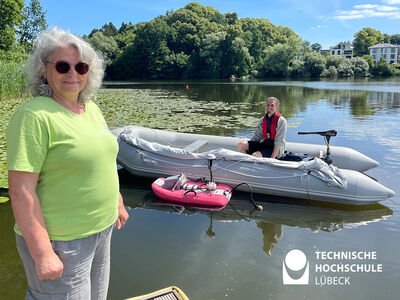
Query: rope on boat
point(239, 173)
point(264, 177)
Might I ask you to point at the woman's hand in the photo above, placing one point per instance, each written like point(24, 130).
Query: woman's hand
point(49, 266)
point(123, 215)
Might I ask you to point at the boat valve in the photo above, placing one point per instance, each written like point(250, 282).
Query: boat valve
point(211, 186)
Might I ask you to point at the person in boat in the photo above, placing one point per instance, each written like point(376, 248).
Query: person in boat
point(62, 175)
point(269, 139)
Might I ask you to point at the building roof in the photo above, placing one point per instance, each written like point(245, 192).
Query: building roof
point(339, 46)
point(383, 46)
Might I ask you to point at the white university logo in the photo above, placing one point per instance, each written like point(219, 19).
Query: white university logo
point(295, 268)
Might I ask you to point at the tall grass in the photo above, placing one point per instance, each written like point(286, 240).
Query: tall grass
point(13, 80)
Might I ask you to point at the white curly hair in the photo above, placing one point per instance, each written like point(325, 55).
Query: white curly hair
point(44, 47)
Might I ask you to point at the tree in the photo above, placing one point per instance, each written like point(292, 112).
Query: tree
point(185, 37)
point(365, 38)
point(360, 67)
point(345, 69)
point(316, 47)
point(278, 58)
point(297, 68)
point(395, 39)
point(109, 29)
point(368, 58)
point(395, 69)
point(32, 24)
point(211, 51)
point(125, 39)
point(334, 60)
point(126, 27)
point(256, 44)
point(304, 48)
point(10, 12)
point(147, 55)
point(176, 65)
point(126, 35)
point(232, 18)
point(331, 72)
point(196, 41)
point(206, 12)
point(92, 32)
point(106, 45)
point(240, 58)
point(382, 68)
point(386, 38)
point(314, 64)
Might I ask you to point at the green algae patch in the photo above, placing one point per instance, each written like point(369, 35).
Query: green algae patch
point(7, 109)
point(167, 110)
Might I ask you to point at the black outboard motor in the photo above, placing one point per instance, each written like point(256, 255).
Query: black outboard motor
point(327, 136)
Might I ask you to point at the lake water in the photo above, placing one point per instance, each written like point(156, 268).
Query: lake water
point(238, 253)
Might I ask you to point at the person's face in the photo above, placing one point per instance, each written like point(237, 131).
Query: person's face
point(69, 85)
point(271, 107)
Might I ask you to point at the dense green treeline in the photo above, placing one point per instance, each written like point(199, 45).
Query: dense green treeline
point(192, 42)
point(199, 42)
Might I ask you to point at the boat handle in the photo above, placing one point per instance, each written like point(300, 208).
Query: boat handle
point(191, 191)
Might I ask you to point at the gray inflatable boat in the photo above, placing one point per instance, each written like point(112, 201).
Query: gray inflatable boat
point(155, 153)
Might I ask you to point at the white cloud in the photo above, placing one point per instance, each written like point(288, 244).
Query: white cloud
point(349, 17)
point(366, 6)
point(378, 7)
point(323, 18)
point(392, 1)
point(387, 8)
point(369, 11)
point(318, 27)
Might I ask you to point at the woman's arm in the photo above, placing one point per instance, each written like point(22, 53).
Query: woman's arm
point(122, 213)
point(29, 218)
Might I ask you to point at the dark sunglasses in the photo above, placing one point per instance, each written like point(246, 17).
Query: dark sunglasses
point(63, 67)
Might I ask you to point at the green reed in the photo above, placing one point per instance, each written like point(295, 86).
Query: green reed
point(13, 80)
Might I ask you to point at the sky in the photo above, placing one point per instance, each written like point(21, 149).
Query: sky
point(326, 22)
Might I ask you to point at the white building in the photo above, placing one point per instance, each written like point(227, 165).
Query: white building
point(388, 51)
point(342, 49)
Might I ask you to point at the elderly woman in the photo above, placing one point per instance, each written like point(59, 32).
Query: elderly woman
point(63, 181)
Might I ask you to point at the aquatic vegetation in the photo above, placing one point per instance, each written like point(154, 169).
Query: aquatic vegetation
point(164, 109)
point(13, 81)
point(7, 109)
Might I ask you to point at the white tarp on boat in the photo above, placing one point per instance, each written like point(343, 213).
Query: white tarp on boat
point(328, 173)
point(316, 167)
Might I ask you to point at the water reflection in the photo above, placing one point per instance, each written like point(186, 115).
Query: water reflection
point(272, 233)
point(278, 212)
point(365, 84)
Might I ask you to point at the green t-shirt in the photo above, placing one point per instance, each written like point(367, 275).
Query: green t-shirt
point(75, 156)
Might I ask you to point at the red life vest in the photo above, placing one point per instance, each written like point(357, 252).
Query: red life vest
point(273, 127)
